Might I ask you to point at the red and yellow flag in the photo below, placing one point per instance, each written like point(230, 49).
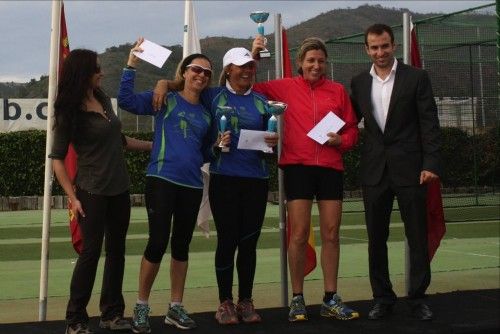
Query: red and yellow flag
point(70, 160)
point(436, 227)
point(310, 260)
point(63, 40)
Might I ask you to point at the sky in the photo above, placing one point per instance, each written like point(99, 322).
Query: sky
point(97, 25)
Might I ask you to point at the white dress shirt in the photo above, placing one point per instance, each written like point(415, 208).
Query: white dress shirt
point(381, 94)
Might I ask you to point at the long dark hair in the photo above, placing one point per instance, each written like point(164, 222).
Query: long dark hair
point(75, 81)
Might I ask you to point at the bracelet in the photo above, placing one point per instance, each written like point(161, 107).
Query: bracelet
point(130, 67)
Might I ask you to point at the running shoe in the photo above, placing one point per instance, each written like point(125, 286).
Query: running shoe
point(226, 313)
point(177, 316)
point(246, 311)
point(140, 321)
point(298, 310)
point(118, 323)
point(335, 308)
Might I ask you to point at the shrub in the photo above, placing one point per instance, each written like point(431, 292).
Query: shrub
point(22, 162)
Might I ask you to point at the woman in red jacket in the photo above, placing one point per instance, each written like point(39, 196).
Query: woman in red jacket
point(313, 170)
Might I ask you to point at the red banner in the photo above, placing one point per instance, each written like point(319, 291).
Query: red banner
point(310, 260)
point(70, 160)
point(436, 227)
point(63, 40)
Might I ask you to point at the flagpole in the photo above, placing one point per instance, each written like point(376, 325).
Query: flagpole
point(185, 48)
point(281, 195)
point(191, 42)
point(406, 60)
point(47, 188)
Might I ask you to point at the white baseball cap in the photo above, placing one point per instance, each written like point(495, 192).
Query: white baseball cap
point(237, 56)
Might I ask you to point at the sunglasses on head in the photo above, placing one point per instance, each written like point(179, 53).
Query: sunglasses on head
point(199, 69)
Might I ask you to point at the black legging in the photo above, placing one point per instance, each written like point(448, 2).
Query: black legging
point(164, 200)
point(238, 206)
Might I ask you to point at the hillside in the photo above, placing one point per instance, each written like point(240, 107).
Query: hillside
point(329, 25)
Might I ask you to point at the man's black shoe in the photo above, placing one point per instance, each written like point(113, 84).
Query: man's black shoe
point(422, 312)
point(379, 311)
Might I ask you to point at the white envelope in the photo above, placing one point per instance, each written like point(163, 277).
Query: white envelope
point(153, 53)
point(253, 140)
point(329, 123)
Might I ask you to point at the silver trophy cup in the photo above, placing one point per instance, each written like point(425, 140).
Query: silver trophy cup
point(223, 113)
point(260, 17)
point(275, 108)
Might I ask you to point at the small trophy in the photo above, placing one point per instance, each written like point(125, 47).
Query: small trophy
point(272, 124)
point(275, 108)
point(222, 111)
point(260, 17)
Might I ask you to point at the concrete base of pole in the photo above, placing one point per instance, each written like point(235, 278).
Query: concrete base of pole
point(42, 310)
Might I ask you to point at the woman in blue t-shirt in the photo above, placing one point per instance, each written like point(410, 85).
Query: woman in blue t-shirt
point(183, 138)
point(238, 185)
point(238, 181)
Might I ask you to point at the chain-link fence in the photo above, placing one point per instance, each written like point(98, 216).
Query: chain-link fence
point(459, 52)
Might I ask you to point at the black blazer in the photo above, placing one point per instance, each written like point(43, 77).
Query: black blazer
point(411, 140)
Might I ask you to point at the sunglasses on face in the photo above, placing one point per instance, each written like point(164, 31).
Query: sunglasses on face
point(199, 69)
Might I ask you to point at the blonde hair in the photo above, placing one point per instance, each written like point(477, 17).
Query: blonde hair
point(224, 74)
point(310, 43)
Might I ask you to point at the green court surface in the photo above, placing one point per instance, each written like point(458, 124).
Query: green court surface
point(469, 247)
point(20, 279)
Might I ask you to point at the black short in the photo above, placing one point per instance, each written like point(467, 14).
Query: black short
point(309, 182)
point(166, 200)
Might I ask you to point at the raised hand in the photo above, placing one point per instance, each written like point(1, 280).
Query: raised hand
point(258, 45)
point(133, 60)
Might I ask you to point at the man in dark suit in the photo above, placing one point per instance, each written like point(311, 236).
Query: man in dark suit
point(399, 156)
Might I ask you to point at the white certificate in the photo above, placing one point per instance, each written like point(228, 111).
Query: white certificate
point(253, 140)
point(329, 123)
point(153, 53)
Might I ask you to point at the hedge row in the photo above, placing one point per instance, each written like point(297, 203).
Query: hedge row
point(466, 159)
